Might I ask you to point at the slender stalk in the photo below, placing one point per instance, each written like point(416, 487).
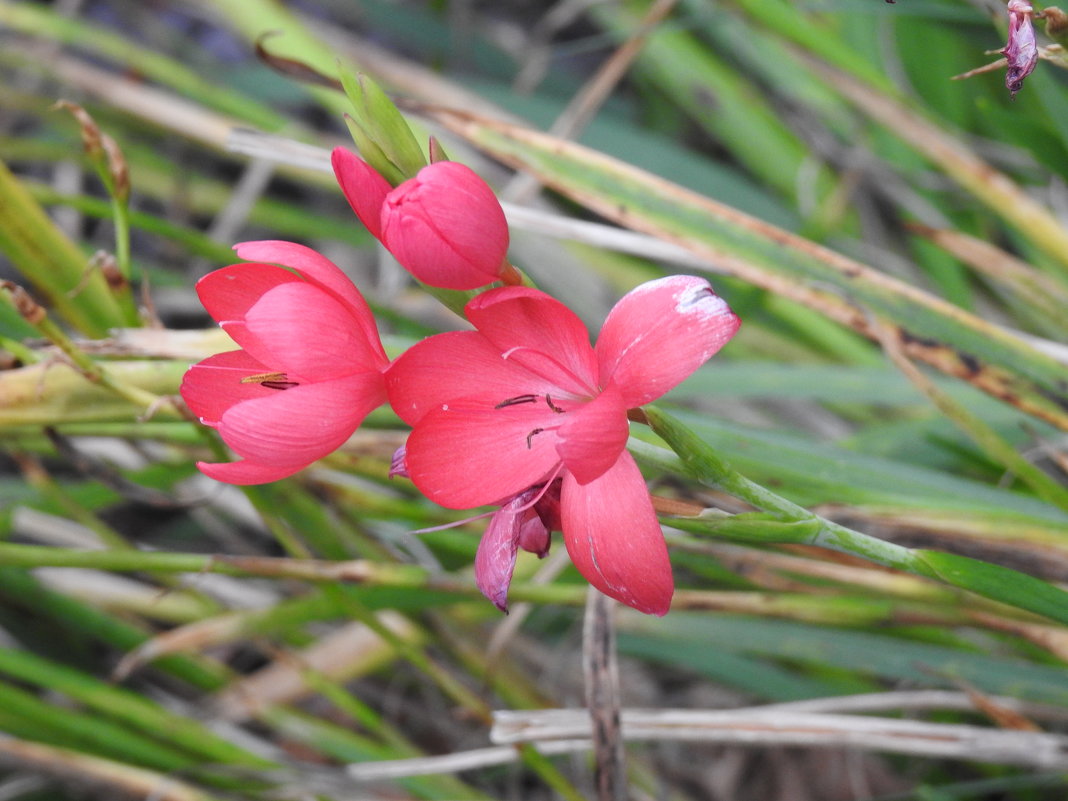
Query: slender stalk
point(795, 524)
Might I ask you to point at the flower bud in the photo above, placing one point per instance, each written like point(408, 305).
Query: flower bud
point(446, 227)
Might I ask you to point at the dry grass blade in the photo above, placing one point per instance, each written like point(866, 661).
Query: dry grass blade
point(1008, 272)
point(83, 772)
point(991, 187)
point(350, 651)
point(584, 105)
point(774, 726)
point(453, 763)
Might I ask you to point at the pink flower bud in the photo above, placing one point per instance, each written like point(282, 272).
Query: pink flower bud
point(1021, 51)
point(446, 227)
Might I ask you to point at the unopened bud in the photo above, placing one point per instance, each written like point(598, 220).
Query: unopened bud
point(120, 173)
point(91, 136)
point(30, 310)
point(1056, 23)
point(109, 268)
point(102, 151)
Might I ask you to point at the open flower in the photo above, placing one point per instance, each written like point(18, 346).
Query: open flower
point(445, 225)
point(525, 400)
point(1021, 51)
point(309, 369)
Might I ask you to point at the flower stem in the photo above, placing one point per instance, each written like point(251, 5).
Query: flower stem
point(791, 523)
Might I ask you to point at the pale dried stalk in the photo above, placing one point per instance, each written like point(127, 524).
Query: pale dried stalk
point(85, 772)
point(453, 763)
point(601, 674)
point(778, 726)
point(664, 723)
point(351, 650)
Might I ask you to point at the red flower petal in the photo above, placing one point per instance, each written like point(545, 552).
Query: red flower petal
point(301, 330)
point(540, 333)
point(318, 270)
point(592, 436)
point(467, 453)
point(614, 539)
point(246, 472)
point(299, 425)
point(363, 187)
point(659, 333)
point(229, 293)
point(214, 385)
point(457, 364)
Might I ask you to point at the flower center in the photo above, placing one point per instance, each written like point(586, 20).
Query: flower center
point(531, 398)
point(518, 399)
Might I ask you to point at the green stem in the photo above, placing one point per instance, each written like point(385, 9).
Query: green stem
point(319, 571)
point(120, 215)
point(698, 460)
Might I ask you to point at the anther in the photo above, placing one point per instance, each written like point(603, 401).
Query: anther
point(530, 436)
point(553, 406)
point(518, 399)
point(270, 380)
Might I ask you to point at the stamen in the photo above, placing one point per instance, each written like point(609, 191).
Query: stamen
point(518, 399)
point(270, 380)
point(530, 436)
point(553, 406)
point(259, 378)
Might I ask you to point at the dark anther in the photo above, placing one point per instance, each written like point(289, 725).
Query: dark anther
point(553, 406)
point(270, 380)
point(518, 399)
point(530, 436)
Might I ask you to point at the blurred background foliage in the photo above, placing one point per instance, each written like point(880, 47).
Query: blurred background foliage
point(901, 370)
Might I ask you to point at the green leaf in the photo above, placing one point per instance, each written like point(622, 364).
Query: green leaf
point(381, 133)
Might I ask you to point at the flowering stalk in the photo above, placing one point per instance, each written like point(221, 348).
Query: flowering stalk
point(110, 165)
point(793, 523)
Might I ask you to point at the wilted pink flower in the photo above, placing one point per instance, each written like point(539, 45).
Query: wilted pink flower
point(1021, 51)
point(525, 400)
point(309, 369)
point(524, 521)
point(445, 225)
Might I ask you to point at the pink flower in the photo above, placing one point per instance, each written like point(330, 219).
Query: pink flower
point(1021, 51)
point(445, 225)
point(525, 400)
point(310, 367)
